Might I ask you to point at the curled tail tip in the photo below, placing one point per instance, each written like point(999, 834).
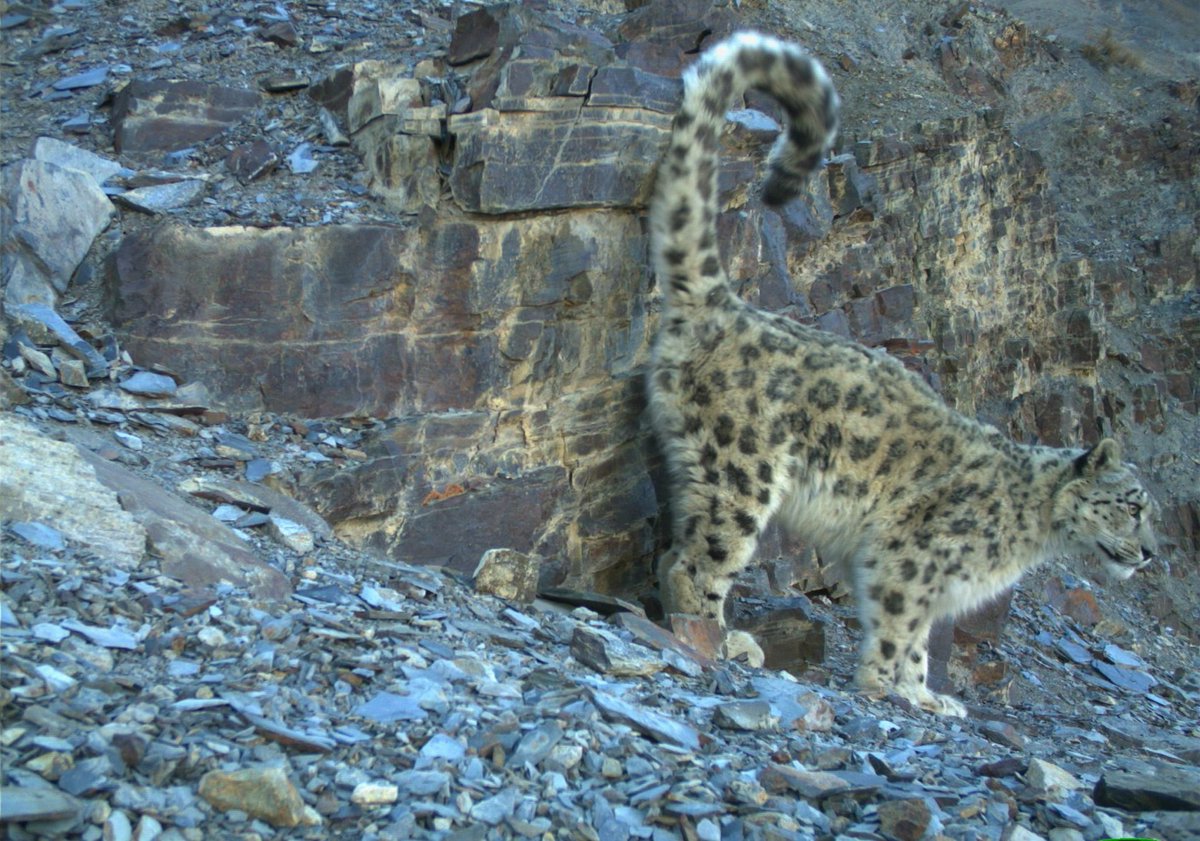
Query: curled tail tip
point(798, 81)
point(776, 193)
point(790, 167)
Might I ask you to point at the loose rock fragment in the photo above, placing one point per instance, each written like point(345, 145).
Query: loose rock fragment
point(536, 744)
point(194, 547)
point(799, 708)
point(49, 322)
point(118, 826)
point(39, 534)
point(149, 384)
point(422, 783)
point(282, 33)
point(300, 160)
point(811, 785)
point(655, 636)
point(600, 603)
point(701, 634)
point(257, 497)
point(494, 810)
point(441, 746)
point(38, 361)
point(508, 574)
point(905, 820)
point(285, 83)
point(114, 637)
point(1002, 734)
point(1075, 602)
point(291, 534)
point(374, 794)
point(68, 156)
point(163, 197)
point(264, 793)
point(251, 161)
point(147, 829)
point(1131, 680)
point(86, 79)
point(1017, 832)
point(73, 373)
point(1047, 778)
point(790, 635)
point(310, 742)
point(49, 633)
point(609, 654)
point(387, 707)
point(56, 680)
point(746, 715)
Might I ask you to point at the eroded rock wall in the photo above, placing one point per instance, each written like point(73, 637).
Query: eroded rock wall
point(382, 321)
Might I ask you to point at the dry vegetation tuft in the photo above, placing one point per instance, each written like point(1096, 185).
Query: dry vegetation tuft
point(1107, 52)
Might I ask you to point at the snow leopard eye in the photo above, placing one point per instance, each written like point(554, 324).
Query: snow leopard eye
point(1135, 510)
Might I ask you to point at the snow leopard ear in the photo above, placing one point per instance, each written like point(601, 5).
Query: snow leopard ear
point(1104, 456)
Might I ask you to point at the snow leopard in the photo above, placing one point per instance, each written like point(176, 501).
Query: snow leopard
point(759, 415)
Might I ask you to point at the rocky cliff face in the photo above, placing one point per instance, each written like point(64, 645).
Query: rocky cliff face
point(495, 315)
point(390, 259)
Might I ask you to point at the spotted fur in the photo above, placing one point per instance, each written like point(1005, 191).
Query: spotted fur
point(760, 416)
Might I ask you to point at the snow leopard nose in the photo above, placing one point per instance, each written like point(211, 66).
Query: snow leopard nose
point(1147, 555)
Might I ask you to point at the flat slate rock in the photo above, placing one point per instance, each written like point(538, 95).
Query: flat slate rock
point(811, 785)
point(1131, 680)
point(160, 198)
point(1170, 787)
point(661, 728)
point(601, 603)
point(149, 384)
point(19, 804)
point(387, 707)
point(194, 547)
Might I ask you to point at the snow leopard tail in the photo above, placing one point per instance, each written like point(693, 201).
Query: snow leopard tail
point(683, 214)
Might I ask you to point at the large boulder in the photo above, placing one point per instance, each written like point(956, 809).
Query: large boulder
point(117, 515)
point(49, 214)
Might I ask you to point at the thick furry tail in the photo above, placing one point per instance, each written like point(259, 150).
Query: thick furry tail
point(683, 216)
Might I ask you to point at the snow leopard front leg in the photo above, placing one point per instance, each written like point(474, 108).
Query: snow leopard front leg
point(895, 647)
